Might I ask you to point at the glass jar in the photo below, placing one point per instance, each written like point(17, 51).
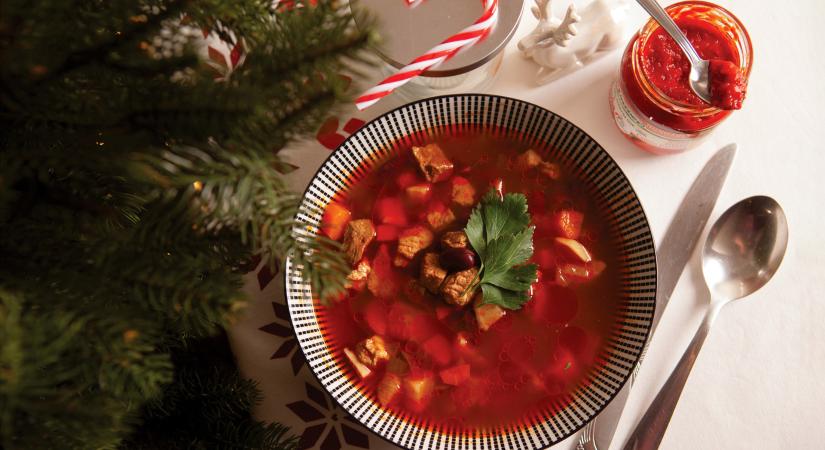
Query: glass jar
point(409, 32)
point(645, 114)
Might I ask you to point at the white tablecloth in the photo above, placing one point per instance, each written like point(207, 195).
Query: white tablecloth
point(758, 382)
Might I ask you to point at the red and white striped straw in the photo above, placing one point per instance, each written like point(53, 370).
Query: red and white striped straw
point(435, 56)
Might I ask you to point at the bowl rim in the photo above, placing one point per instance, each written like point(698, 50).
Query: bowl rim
point(655, 268)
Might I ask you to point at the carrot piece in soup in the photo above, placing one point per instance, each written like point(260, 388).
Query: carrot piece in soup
point(418, 391)
point(455, 375)
point(419, 193)
point(382, 280)
point(407, 178)
point(438, 349)
point(386, 233)
point(334, 220)
point(390, 210)
point(375, 315)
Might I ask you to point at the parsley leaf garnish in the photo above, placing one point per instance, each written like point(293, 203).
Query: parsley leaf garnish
point(499, 232)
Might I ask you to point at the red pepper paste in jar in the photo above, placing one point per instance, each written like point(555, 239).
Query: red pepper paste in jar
point(652, 101)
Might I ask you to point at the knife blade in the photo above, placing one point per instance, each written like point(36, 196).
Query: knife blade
point(672, 256)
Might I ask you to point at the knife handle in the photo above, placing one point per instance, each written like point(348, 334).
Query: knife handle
point(651, 429)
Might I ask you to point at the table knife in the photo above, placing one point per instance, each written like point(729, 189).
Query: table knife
point(671, 257)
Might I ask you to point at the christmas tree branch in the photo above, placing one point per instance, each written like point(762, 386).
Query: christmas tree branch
point(133, 188)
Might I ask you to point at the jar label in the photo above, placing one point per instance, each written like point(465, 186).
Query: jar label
point(643, 130)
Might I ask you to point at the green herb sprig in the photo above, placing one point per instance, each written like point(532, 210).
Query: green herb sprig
point(499, 231)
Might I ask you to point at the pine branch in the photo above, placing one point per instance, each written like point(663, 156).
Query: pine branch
point(207, 406)
point(132, 190)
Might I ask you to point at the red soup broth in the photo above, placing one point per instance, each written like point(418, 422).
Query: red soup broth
point(451, 373)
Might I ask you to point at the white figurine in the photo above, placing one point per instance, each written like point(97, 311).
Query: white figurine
point(562, 46)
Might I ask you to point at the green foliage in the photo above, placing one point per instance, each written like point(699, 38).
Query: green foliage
point(499, 231)
point(207, 406)
point(133, 190)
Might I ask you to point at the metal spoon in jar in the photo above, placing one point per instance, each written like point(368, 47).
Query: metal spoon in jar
point(742, 252)
point(698, 67)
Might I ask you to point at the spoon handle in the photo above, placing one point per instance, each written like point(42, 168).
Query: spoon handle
point(660, 15)
point(651, 429)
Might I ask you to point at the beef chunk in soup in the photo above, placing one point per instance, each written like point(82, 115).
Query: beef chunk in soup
point(531, 159)
point(360, 272)
point(357, 237)
point(454, 239)
point(432, 274)
point(440, 217)
point(550, 170)
point(528, 160)
point(455, 287)
point(433, 162)
point(372, 351)
point(357, 279)
point(410, 242)
point(463, 193)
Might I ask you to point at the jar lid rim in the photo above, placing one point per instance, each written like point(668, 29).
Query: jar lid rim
point(440, 19)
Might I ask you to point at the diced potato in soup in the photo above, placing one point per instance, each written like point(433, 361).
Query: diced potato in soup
point(360, 368)
point(418, 390)
point(388, 388)
point(488, 314)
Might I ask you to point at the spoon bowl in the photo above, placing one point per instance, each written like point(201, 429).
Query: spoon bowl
point(744, 248)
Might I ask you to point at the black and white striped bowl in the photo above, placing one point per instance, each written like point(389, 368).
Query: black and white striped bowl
point(545, 131)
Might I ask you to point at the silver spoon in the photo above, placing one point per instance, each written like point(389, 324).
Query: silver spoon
point(698, 67)
point(742, 252)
